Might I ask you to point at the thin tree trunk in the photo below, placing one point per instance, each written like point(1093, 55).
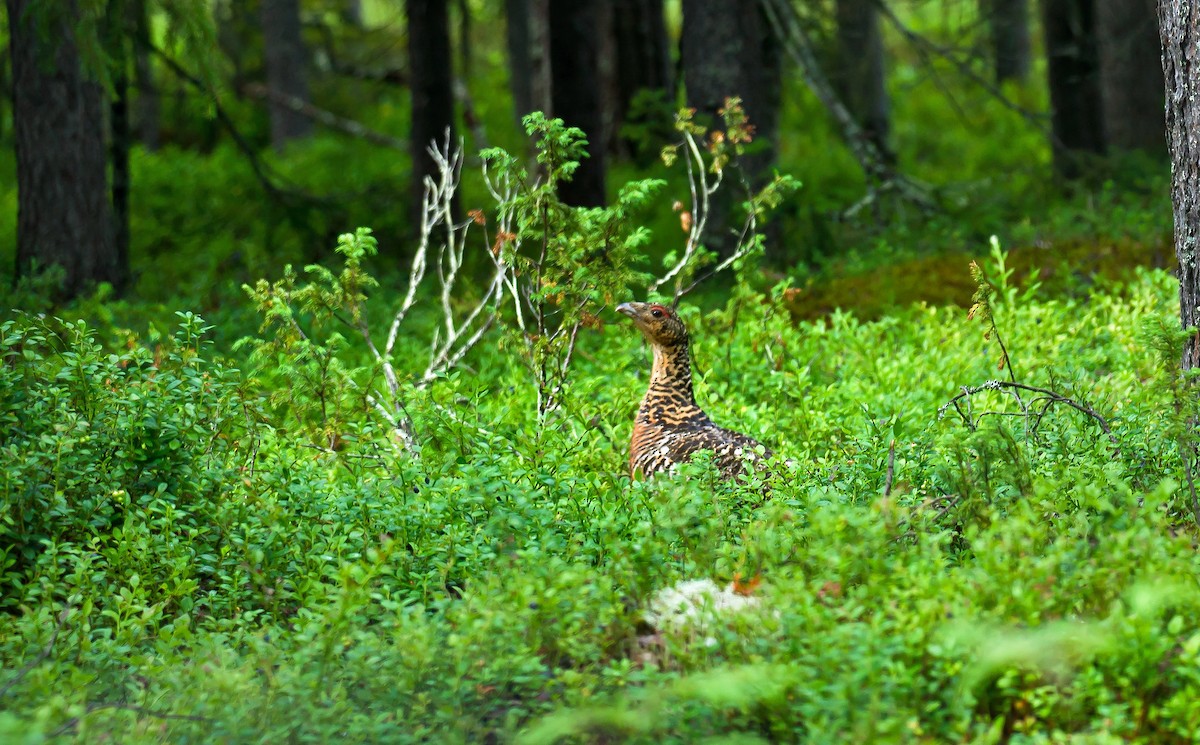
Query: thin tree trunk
point(520, 61)
point(432, 87)
point(120, 25)
point(643, 56)
point(1008, 25)
point(147, 118)
point(1131, 74)
point(860, 80)
point(120, 144)
point(286, 60)
point(576, 93)
point(63, 213)
point(1180, 34)
point(1077, 117)
point(464, 39)
point(541, 84)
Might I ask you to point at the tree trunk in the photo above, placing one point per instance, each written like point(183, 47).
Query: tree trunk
point(1077, 122)
point(63, 212)
point(576, 92)
point(432, 86)
point(1180, 29)
point(1131, 74)
point(728, 49)
point(464, 39)
point(1008, 24)
point(147, 118)
point(860, 73)
point(642, 52)
point(120, 144)
point(286, 61)
point(520, 59)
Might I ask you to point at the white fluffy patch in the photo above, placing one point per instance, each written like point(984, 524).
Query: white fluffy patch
point(695, 605)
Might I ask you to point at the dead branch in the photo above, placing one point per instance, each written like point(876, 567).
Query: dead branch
point(458, 331)
point(262, 172)
point(321, 116)
point(881, 175)
point(1043, 398)
point(927, 49)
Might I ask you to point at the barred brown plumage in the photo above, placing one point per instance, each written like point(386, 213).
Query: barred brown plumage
point(670, 428)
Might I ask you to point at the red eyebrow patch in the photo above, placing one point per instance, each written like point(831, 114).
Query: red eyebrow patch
point(663, 308)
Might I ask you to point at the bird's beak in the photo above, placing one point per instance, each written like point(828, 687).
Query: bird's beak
point(628, 309)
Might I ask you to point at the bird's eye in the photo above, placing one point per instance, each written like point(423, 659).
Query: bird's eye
point(656, 313)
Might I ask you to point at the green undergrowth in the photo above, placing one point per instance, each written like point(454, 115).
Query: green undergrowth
point(182, 561)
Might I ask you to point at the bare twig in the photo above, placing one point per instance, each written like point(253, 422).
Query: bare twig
point(702, 186)
point(459, 331)
point(928, 49)
point(1044, 396)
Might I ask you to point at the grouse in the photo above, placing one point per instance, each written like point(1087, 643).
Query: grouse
point(670, 427)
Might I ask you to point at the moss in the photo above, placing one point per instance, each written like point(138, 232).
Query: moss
point(1069, 267)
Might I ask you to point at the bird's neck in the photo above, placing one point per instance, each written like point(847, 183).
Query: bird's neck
point(670, 386)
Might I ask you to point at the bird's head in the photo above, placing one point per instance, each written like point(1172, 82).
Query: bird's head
point(658, 323)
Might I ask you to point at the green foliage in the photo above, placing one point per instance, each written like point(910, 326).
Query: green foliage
point(572, 261)
point(115, 461)
point(299, 349)
point(183, 565)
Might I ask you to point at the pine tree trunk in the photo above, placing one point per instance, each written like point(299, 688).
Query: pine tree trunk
point(860, 75)
point(147, 118)
point(1008, 25)
point(1180, 32)
point(120, 144)
point(1077, 117)
point(728, 49)
point(576, 93)
point(63, 212)
point(286, 61)
point(520, 61)
point(432, 86)
point(1131, 74)
point(642, 52)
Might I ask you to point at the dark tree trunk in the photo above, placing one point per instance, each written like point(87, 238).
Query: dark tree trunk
point(121, 28)
point(432, 85)
point(520, 60)
point(1131, 74)
point(464, 39)
point(860, 71)
point(1180, 34)
point(63, 213)
point(1008, 25)
point(1077, 120)
point(286, 61)
point(147, 117)
point(576, 92)
point(120, 144)
point(728, 49)
point(642, 52)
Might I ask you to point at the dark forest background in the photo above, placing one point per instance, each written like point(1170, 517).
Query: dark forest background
point(209, 143)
